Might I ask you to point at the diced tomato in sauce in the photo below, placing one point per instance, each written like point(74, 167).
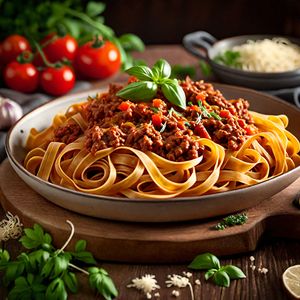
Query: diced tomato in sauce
point(157, 120)
point(242, 123)
point(158, 103)
point(124, 106)
point(225, 114)
point(201, 131)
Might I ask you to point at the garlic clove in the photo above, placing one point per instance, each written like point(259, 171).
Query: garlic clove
point(10, 112)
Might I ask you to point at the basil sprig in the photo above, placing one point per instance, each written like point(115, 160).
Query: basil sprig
point(150, 80)
point(220, 275)
point(44, 272)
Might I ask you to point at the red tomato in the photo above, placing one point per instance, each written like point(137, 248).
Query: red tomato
point(156, 120)
point(124, 106)
point(225, 114)
point(21, 77)
point(98, 62)
point(60, 47)
point(57, 81)
point(201, 131)
point(12, 46)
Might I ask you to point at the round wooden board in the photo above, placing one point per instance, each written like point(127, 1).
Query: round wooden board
point(151, 243)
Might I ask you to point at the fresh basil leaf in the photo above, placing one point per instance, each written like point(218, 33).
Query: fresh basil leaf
point(70, 281)
point(162, 69)
point(84, 256)
point(80, 245)
point(35, 237)
point(205, 261)
point(94, 9)
point(210, 273)
point(56, 290)
point(13, 271)
point(181, 72)
point(141, 72)
point(4, 258)
point(61, 263)
point(139, 91)
point(102, 283)
point(221, 278)
point(131, 42)
point(174, 93)
point(38, 258)
point(73, 27)
point(233, 272)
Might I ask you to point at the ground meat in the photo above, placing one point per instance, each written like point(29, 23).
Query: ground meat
point(67, 133)
point(162, 128)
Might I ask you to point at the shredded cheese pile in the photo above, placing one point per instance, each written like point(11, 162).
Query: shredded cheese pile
point(10, 228)
point(146, 284)
point(269, 55)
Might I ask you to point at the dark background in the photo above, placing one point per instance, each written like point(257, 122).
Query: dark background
point(167, 21)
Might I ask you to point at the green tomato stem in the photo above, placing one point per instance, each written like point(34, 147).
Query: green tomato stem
point(44, 58)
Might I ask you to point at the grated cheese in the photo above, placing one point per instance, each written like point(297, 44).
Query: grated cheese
point(181, 282)
point(269, 55)
point(146, 284)
point(10, 228)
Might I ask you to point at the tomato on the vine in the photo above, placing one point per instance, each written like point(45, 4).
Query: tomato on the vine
point(98, 59)
point(22, 77)
point(57, 81)
point(59, 47)
point(12, 46)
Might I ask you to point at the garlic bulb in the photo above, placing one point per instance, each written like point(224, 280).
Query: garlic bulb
point(10, 112)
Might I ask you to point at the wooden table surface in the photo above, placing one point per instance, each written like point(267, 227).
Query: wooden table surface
point(274, 254)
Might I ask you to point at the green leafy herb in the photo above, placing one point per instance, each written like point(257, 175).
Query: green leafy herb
point(181, 72)
point(232, 220)
point(163, 128)
point(205, 68)
point(44, 272)
point(204, 262)
point(208, 114)
point(150, 81)
point(229, 58)
point(220, 275)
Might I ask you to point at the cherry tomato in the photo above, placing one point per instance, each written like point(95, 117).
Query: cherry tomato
point(98, 61)
point(58, 47)
point(57, 81)
point(12, 46)
point(22, 77)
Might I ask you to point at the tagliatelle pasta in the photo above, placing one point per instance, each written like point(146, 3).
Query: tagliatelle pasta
point(63, 154)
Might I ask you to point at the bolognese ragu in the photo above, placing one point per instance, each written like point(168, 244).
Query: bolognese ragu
point(111, 146)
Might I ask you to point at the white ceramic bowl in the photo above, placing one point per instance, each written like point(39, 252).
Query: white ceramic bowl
point(179, 209)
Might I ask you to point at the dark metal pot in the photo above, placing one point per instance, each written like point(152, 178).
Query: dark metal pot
point(205, 46)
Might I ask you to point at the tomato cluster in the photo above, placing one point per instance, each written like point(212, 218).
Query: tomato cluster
point(55, 68)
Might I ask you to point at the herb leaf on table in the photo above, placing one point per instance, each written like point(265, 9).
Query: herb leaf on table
point(220, 275)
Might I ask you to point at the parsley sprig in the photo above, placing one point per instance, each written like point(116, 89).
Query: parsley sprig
point(150, 81)
point(221, 275)
point(44, 272)
point(232, 220)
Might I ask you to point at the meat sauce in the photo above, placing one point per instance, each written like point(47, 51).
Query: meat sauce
point(161, 127)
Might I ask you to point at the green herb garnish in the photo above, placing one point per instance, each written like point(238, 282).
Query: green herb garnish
point(229, 58)
point(150, 81)
point(220, 275)
point(181, 72)
point(44, 272)
point(205, 68)
point(232, 220)
point(163, 128)
point(208, 114)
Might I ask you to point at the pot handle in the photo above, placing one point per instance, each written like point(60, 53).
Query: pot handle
point(297, 96)
point(198, 43)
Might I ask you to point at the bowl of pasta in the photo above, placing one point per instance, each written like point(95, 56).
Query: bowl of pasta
point(101, 155)
point(264, 62)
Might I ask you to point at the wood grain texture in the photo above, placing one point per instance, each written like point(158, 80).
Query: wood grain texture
point(274, 254)
point(150, 243)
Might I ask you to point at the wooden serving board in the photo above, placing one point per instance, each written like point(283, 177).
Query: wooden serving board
point(151, 243)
